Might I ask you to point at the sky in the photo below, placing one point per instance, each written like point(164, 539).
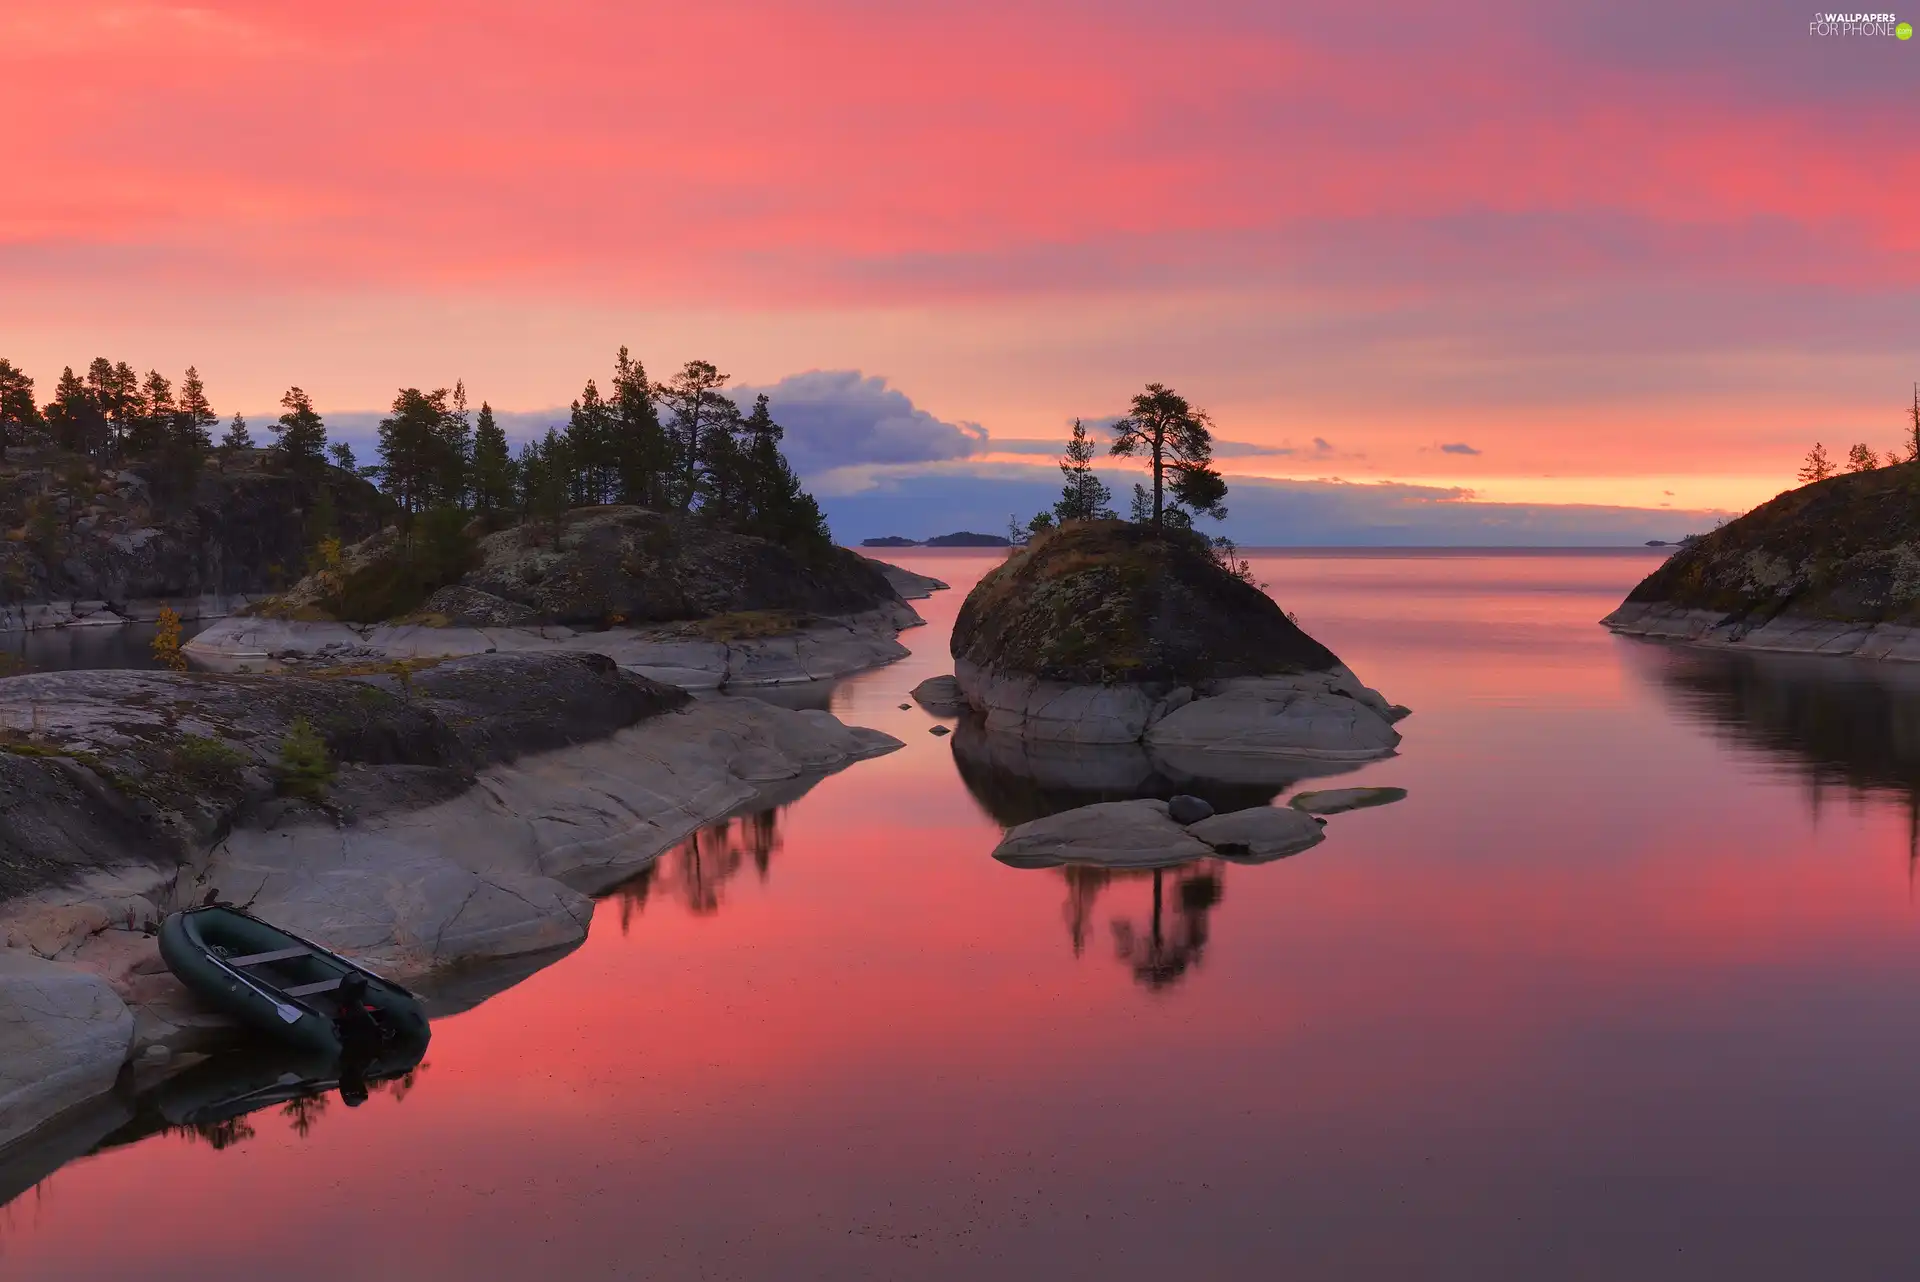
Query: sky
point(1549, 264)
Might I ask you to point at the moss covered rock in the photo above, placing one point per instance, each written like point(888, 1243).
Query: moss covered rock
point(1106, 602)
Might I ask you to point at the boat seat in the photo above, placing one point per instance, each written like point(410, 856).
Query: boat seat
point(261, 959)
point(307, 990)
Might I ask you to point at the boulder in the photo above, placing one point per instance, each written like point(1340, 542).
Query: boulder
point(1333, 801)
point(941, 696)
point(63, 1036)
point(1258, 835)
point(1103, 632)
point(1142, 834)
point(1186, 808)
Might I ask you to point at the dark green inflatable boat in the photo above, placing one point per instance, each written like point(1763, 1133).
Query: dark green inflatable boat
point(287, 988)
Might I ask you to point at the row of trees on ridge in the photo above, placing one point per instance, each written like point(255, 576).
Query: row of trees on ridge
point(1819, 465)
point(681, 445)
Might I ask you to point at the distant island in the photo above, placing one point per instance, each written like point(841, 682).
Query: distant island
point(958, 539)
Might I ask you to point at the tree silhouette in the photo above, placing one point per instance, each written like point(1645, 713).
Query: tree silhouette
point(1177, 442)
point(1084, 496)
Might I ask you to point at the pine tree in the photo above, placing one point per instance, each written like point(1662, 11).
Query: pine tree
point(1084, 497)
point(75, 417)
point(193, 431)
point(412, 441)
point(589, 448)
point(18, 414)
point(1178, 443)
point(695, 401)
point(1913, 441)
point(1818, 466)
point(301, 444)
point(237, 438)
point(340, 453)
point(116, 391)
point(1861, 458)
point(493, 466)
point(639, 447)
point(453, 452)
point(147, 435)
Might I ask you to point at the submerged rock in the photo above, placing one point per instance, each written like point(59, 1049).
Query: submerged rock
point(1142, 834)
point(1106, 633)
point(1333, 801)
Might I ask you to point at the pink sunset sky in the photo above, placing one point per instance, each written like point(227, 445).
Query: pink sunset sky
point(1611, 253)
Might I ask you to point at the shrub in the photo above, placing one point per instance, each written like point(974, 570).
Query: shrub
point(306, 768)
point(166, 641)
point(209, 762)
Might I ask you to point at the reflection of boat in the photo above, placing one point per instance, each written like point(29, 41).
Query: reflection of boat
point(208, 1100)
point(284, 986)
point(1016, 780)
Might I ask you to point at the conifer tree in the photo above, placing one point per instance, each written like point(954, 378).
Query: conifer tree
point(18, 413)
point(237, 438)
point(413, 440)
point(1084, 496)
point(697, 406)
point(301, 436)
point(340, 454)
point(1818, 467)
point(493, 466)
point(639, 447)
point(590, 448)
point(147, 434)
point(193, 431)
point(1861, 458)
point(1177, 441)
point(75, 416)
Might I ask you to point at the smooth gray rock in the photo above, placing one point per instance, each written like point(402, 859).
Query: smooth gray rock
point(63, 1036)
point(940, 695)
point(1333, 801)
point(910, 585)
point(1111, 834)
point(1141, 834)
point(817, 649)
point(1189, 809)
point(1258, 835)
point(505, 867)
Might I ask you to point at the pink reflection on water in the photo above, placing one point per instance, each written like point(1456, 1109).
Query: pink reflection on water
point(1602, 997)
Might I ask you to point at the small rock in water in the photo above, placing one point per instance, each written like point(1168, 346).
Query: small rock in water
point(939, 730)
point(1332, 801)
point(1185, 809)
point(906, 707)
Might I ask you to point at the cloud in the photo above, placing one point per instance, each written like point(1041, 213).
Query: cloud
point(917, 502)
point(1458, 447)
point(843, 418)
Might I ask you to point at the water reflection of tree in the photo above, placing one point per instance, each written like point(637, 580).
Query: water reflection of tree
point(1837, 723)
point(1174, 937)
point(696, 871)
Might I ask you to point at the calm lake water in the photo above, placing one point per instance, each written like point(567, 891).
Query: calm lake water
point(1628, 987)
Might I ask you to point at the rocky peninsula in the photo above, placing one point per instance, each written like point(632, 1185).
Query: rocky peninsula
point(1108, 633)
point(1829, 568)
point(665, 596)
point(417, 817)
point(89, 544)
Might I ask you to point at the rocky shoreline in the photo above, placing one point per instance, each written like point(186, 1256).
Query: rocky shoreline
point(475, 807)
point(1782, 634)
point(40, 616)
point(707, 654)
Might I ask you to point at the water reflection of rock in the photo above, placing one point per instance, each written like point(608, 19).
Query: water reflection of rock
point(1837, 722)
point(696, 872)
point(1015, 780)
